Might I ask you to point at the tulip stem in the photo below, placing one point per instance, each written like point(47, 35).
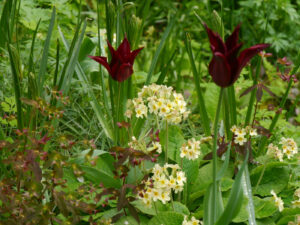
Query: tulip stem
point(214, 195)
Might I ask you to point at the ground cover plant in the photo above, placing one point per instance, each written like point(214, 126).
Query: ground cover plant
point(149, 112)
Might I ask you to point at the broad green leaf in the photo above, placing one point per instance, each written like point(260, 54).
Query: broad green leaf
point(167, 218)
point(104, 176)
point(264, 207)
point(204, 179)
point(130, 220)
point(275, 177)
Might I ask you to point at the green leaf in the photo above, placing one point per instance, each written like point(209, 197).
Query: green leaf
point(104, 176)
point(130, 220)
point(158, 50)
point(167, 218)
point(235, 199)
point(106, 126)
point(275, 177)
point(175, 141)
point(264, 207)
point(204, 179)
point(43, 66)
point(102, 172)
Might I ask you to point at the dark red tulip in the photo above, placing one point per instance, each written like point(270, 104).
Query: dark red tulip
point(226, 66)
point(120, 66)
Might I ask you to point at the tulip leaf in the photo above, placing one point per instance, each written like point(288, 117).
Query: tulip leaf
point(43, 66)
point(235, 199)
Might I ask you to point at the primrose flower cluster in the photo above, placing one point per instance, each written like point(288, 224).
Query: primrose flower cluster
point(191, 149)
point(240, 134)
point(141, 145)
point(160, 186)
point(288, 148)
point(159, 100)
point(193, 221)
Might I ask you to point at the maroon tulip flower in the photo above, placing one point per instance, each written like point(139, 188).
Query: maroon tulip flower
point(120, 66)
point(226, 66)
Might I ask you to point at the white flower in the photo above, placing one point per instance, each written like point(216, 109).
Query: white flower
point(253, 132)
point(296, 203)
point(180, 178)
point(128, 113)
point(141, 111)
point(164, 197)
point(240, 139)
point(157, 147)
point(156, 193)
point(278, 201)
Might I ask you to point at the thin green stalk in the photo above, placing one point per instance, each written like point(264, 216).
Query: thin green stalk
point(154, 203)
point(227, 114)
point(166, 142)
point(275, 119)
point(253, 93)
point(214, 194)
point(232, 105)
point(260, 177)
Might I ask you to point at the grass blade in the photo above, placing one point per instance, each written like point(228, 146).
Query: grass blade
point(202, 107)
point(158, 50)
point(94, 101)
point(13, 57)
point(43, 66)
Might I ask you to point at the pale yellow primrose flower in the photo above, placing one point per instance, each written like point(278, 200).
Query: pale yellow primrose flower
point(278, 201)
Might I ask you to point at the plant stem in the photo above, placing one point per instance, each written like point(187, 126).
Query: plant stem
point(214, 195)
point(166, 143)
point(155, 208)
point(260, 177)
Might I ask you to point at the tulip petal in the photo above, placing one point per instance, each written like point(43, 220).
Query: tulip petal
point(232, 40)
point(124, 49)
point(102, 61)
point(246, 55)
point(220, 70)
point(249, 53)
point(216, 42)
point(125, 71)
point(134, 54)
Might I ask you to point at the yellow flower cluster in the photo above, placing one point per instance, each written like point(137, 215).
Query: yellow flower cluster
point(143, 146)
point(160, 185)
point(191, 149)
point(278, 201)
point(193, 221)
point(159, 100)
point(288, 148)
point(240, 134)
